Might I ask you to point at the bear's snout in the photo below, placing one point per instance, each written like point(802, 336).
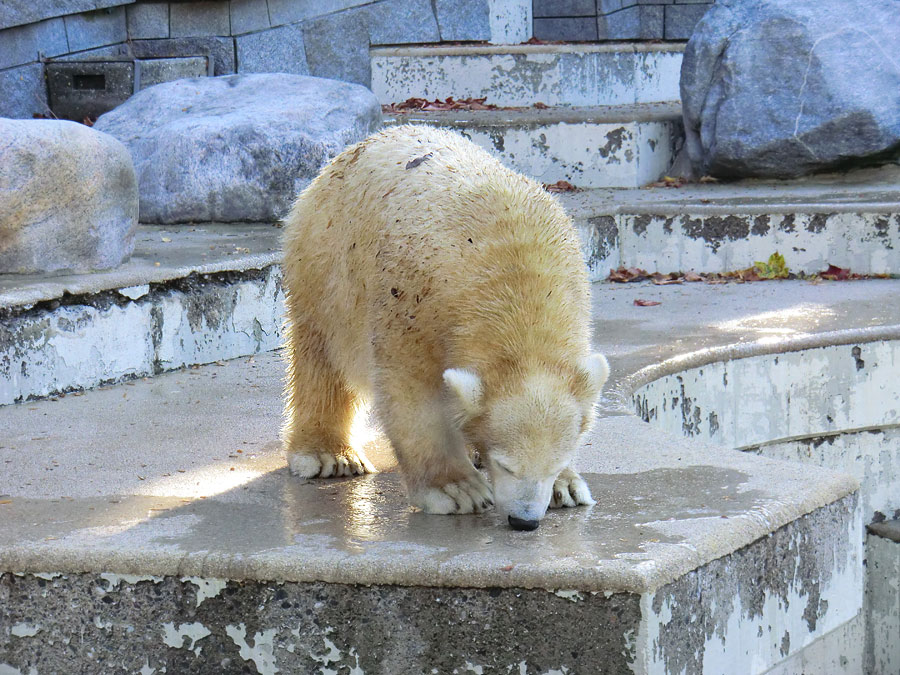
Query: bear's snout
point(523, 524)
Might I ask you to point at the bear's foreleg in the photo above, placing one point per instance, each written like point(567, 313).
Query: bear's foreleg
point(440, 476)
point(569, 489)
point(319, 411)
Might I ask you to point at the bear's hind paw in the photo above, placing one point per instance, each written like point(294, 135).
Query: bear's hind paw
point(569, 490)
point(327, 465)
point(470, 495)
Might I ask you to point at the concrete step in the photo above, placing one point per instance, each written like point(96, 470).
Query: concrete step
point(522, 75)
point(216, 292)
point(189, 295)
point(760, 401)
point(156, 519)
point(606, 146)
point(849, 220)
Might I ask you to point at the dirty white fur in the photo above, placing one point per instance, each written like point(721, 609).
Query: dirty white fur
point(424, 277)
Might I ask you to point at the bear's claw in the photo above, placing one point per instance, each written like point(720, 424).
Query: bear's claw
point(327, 465)
point(569, 489)
point(470, 495)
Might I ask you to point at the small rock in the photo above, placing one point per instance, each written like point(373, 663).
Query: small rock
point(236, 148)
point(783, 88)
point(68, 198)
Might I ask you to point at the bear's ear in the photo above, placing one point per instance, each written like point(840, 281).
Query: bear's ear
point(466, 388)
point(596, 370)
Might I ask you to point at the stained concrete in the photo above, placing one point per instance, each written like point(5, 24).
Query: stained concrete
point(161, 254)
point(94, 485)
point(514, 75)
point(623, 146)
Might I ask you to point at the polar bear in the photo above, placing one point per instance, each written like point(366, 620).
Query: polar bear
point(424, 277)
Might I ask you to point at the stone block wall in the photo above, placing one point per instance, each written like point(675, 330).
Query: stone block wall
point(328, 38)
point(589, 20)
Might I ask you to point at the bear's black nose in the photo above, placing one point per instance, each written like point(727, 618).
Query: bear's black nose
point(522, 524)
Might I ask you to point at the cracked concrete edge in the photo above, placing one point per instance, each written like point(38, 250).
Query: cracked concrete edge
point(619, 392)
point(649, 632)
point(25, 291)
point(535, 117)
point(570, 48)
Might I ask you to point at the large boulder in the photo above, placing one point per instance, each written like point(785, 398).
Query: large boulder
point(783, 88)
point(236, 148)
point(68, 198)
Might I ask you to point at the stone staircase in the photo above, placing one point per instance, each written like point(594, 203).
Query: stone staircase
point(149, 524)
point(592, 115)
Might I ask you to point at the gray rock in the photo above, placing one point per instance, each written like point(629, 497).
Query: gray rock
point(395, 22)
point(68, 198)
point(96, 29)
point(236, 148)
point(23, 92)
point(148, 20)
point(337, 47)
point(21, 12)
point(783, 88)
point(256, 52)
point(28, 43)
point(463, 20)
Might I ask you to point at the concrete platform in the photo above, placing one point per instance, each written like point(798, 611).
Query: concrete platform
point(623, 146)
point(521, 75)
point(189, 295)
point(165, 508)
point(849, 220)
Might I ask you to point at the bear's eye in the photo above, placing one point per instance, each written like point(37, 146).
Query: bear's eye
point(503, 466)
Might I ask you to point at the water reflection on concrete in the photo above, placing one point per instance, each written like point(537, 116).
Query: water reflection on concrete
point(332, 529)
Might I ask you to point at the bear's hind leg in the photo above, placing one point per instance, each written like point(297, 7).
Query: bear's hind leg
point(319, 412)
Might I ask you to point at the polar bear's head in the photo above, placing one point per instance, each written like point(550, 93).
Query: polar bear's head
point(528, 432)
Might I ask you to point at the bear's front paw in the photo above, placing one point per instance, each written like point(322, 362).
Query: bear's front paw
point(569, 489)
point(328, 465)
point(470, 495)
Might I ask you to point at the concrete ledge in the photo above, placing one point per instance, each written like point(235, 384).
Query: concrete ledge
point(611, 146)
point(185, 622)
point(161, 254)
point(521, 75)
point(98, 489)
point(850, 220)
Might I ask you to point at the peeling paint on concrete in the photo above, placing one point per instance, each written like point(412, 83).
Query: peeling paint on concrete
point(816, 405)
point(715, 243)
point(194, 632)
point(805, 582)
point(106, 337)
point(262, 651)
point(520, 75)
point(115, 579)
point(883, 604)
point(587, 153)
point(206, 588)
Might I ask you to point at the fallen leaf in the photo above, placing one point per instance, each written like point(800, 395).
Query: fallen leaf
point(507, 568)
point(692, 276)
point(559, 186)
point(665, 279)
point(166, 239)
point(835, 273)
point(628, 274)
point(774, 268)
point(541, 106)
point(669, 182)
point(708, 179)
point(5, 501)
point(414, 103)
point(646, 303)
